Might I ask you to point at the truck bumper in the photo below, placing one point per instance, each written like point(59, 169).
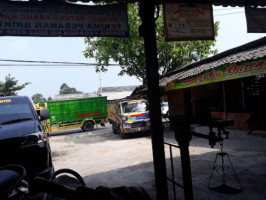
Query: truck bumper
point(135, 130)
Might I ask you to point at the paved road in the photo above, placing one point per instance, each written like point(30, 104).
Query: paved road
point(102, 158)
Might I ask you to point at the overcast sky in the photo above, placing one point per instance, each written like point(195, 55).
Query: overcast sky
point(47, 80)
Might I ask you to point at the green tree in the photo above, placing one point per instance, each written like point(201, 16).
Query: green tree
point(1, 88)
point(10, 86)
point(129, 52)
point(65, 89)
point(37, 98)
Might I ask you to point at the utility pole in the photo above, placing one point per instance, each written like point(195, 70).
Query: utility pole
point(101, 91)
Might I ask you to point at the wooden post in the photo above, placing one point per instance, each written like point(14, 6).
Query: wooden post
point(183, 136)
point(147, 29)
point(224, 99)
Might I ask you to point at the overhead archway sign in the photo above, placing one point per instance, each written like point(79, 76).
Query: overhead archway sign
point(63, 19)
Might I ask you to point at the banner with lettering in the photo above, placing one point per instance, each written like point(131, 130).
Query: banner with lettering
point(184, 22)
point(53, 19)
point(224, 73)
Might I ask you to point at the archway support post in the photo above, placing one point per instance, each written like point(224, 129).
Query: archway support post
point(147, 30)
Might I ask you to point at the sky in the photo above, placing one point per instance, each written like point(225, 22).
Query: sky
point(47, 80)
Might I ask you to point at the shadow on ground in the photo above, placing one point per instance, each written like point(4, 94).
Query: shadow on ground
point(248, 156)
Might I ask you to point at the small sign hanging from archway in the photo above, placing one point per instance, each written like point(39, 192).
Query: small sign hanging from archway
point(53, 19)
point(256, 20)
point(188, 22)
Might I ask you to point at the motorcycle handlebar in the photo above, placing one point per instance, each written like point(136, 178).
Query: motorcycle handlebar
point(59, 190)
point(62, 191)
point(55, 189)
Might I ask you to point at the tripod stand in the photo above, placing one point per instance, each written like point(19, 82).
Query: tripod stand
point(224, 187)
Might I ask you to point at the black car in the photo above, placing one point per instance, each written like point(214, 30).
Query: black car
point(23, 139)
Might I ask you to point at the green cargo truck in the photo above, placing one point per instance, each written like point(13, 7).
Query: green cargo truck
point(77, 113)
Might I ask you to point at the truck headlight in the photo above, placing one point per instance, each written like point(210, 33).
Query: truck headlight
point(124, 118)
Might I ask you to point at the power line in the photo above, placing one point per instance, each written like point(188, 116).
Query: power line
point(44, 63)
point(229, 14)
point(45, 66)
point(226, 9)
point(221, 9)
point(31, 65)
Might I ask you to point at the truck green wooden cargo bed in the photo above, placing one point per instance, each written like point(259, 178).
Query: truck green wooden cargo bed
point(77, 113)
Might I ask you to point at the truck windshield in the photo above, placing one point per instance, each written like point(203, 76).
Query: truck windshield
point(15, 111)
point(129, 107)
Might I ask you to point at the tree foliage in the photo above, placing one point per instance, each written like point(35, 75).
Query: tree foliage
point(37, 98)
point(1, 88)
point(129, 52)
point(10, 86)
point(65, 89)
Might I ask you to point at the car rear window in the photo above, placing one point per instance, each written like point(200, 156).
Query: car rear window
point(12, 109)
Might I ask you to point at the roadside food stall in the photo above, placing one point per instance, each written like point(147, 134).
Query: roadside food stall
point(231, 84)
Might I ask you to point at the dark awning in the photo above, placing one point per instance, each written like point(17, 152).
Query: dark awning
point(225, 3)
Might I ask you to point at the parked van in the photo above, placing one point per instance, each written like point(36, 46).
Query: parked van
point(23, 138)
point(165, 109)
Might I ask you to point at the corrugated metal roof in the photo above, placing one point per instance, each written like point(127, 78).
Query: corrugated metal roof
point(118, 88)
point(226, 3)
point(74, 96)
point(249, 51)
point(214, 2)
point(116, 95)
point(239, 2)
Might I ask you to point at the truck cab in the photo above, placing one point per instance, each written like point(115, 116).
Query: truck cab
point(128, 117)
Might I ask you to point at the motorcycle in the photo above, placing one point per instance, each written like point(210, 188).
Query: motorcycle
point(64, 184)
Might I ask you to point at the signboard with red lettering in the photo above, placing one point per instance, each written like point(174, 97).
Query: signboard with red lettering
point(256, 20)
point(188, 22)
point(223, 73)
point(55, 18)
point(89, 114)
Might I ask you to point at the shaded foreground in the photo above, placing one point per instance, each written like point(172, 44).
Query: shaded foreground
point(102, 158)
